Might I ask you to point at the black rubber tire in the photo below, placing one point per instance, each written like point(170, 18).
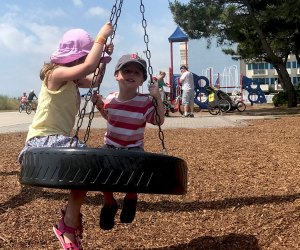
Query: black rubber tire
point(28, 109)
point(21, 108)
point(98, 169)
point(241, 106)
point(213, 110)
point(224, 105)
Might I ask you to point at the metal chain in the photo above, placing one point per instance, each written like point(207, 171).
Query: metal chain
point(100, 71)
point(115, 13)
point(150, 72)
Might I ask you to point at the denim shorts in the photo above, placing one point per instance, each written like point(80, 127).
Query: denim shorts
point(50, 141)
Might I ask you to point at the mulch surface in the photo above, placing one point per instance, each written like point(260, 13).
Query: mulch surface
point(243, 193)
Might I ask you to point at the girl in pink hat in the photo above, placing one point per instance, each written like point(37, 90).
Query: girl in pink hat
point(77, 56)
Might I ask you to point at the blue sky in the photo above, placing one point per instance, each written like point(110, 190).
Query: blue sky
point(30, 31)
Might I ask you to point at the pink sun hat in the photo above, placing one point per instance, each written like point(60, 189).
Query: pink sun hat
point(74, 44)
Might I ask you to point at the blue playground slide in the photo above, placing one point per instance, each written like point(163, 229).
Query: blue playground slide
point(200, 82)
point(255, 95)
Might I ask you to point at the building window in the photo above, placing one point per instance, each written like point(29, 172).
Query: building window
point(273, 80)
point(295, 80)
point(260, 72)
point(262, 80)
point(253, 66)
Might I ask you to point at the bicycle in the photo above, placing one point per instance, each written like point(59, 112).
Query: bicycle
point(31, 106)
point(175, 106)
point(22, 107)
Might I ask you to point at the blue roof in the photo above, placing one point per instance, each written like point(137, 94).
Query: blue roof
point(178, 36)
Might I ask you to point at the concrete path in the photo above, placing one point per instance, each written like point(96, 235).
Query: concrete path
point(19, 122)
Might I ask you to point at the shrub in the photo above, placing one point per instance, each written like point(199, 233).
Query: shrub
point(280, 99)
point(7, 103)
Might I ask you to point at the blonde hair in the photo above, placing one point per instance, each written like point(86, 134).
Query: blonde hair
point(46, 70)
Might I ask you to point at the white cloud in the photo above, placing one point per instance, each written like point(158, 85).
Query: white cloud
point(13, 7)
point(11, 37)
point(97, 11)
point(9, 17)
point(46, 38)
point(77, 3)
point(51, 13)
point(36, 39)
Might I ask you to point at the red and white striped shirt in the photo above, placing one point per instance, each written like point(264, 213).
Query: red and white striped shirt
point(126, 120)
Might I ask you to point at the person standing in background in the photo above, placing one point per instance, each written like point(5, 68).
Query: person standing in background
point(161, 84)
point(188, 93)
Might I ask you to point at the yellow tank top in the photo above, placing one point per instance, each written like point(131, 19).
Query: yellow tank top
point(56, 111)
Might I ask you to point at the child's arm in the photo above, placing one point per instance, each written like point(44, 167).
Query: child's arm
point(62, 74)
point(98, 102)
point(154, 92)
point(86, 82)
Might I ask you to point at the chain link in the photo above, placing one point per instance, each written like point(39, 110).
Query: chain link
point(100, 71)
point(150, 72)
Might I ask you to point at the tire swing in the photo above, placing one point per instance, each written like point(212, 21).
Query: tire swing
point(98, 169)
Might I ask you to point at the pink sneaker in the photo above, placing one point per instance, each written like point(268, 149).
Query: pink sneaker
point(62, 228)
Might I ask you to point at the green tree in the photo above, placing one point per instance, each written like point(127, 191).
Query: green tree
point(267, 30)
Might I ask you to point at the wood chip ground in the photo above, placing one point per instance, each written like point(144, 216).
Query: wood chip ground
point(243, 193)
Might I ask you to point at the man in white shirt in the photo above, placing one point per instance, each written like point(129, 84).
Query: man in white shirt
point(187, 82)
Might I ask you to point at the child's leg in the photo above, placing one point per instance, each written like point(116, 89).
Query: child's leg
point(109, 198)
point(129, 208)
point(108, 211)
point(72, 213)
point(131, 196)
point(69, 228)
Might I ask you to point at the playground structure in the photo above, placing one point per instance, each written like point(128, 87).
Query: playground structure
point(230, 81)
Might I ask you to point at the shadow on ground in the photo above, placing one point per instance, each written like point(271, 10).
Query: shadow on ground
point(226, 242)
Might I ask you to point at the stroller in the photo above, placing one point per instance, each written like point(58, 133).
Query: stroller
point(218, 101)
